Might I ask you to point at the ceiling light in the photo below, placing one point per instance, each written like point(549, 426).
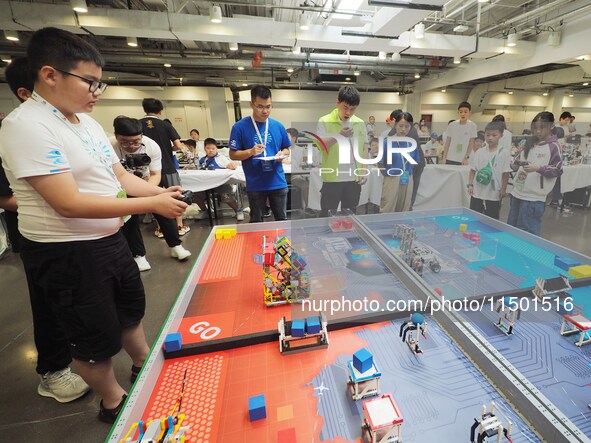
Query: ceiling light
point(443, 90)
point(396, 57)
point(6, 58)
point(545, 93)
point(420, 30)
point(357, 73)
point(167, 65)
point(244, 84)
point(347, 79)
point(461, 28)
point(586, 84)
point(554, 38)
point(417, 75)
point(132, 41)
point(79, 5)
point(296, 50)
point(241, 68)
point(510, 92)
point(215, 14)
point(382, 55)
point(571, 94)
point(11, 35)
point(512, 39)
point(457, 60)
point(233, 46)
point(290, 70)
point(482, 1)
point(304, 22)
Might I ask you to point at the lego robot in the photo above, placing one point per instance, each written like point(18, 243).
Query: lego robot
point(411, 331)
point(509, 313)
point(489, 425)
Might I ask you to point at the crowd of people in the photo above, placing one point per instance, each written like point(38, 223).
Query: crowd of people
point(78, 194)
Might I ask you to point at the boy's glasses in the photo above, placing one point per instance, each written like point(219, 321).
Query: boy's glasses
point(263, 108)
point(93, 85)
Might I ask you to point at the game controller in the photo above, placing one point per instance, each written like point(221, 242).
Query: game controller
point(186, 196)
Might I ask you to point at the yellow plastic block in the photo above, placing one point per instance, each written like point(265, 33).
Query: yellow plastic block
point(225, 233)
point(463, 227)
point(580, 271)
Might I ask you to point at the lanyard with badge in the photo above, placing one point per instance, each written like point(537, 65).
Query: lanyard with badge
point(405, 176)
point(88, 143)
point(267, 165)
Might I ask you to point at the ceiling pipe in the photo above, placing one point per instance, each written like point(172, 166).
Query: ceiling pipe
point(277, 59)
point(157, 63)
point(527, 16)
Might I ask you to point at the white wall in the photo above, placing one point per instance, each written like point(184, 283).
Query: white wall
point(210, 110)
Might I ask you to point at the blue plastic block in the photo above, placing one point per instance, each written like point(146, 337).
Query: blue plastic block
point(363, 360)
point(173, 342)
point(256, 407)
point(298, 328)
point(313, 325)
point(565, 262)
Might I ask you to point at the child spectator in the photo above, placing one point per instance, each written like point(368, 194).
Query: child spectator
point(489, 173)
point(374, 146)
point(211, 161)
point(479, 140)
point(460, 135)
point(398, 181)
point(537, 166)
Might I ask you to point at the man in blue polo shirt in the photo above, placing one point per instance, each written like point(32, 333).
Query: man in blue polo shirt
point(253, 141)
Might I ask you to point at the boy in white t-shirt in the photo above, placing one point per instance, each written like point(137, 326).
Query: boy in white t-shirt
point(69, 185)
point(489, 173)
point(460, 135)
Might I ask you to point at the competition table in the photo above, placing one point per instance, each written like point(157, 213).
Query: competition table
point(231, 352)
point(201, 180)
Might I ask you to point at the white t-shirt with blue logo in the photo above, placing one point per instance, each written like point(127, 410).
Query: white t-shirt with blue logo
point(34, 142)
point(243, 136)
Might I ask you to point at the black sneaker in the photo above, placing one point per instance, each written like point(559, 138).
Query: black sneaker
point(110, 415)
point(267, 212)
point(135, 371)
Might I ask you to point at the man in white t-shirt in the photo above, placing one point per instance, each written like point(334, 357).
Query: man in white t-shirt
point(460, 135)
point(489, 172)
point(69, 185)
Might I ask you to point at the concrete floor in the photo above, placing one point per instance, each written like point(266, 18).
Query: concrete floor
point(27, 417)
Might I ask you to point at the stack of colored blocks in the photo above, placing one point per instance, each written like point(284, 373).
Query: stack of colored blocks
point(565, 262)
point(173, 342)
point(225, 233)
point(257, 409)
point(298, 328)
point(313, 325)
point(362, 360)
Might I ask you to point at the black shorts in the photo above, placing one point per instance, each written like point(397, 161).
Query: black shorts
point(93, 287)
